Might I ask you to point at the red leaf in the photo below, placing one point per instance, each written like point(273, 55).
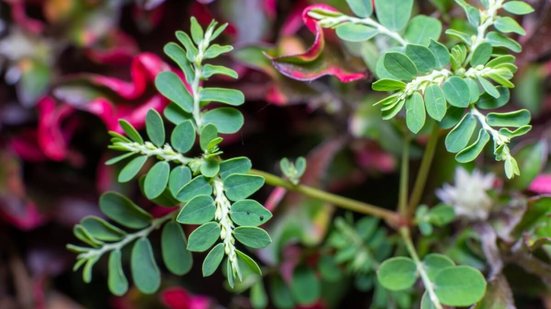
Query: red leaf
point(179, 298)
point(316, 61)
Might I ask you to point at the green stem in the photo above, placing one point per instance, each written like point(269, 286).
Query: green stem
point(422, 175)
point(391, 217)
point(405, 233)
point(404, 177)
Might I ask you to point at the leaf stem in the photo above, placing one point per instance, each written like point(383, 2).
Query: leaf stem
point(487, 19)
point(392, 218)
point(422, 174)
point(429, 287)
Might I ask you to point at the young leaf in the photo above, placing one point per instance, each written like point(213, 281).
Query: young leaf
point(441, 53)
point(422, 57)
point(237, 165)
point(223, 95)
point(183, 137)
point(415, 112)
point(305, 286)
point(422, 29)
point(473, 151)
point(116, 280)
point(241, 186)
point(481, 54)
point(191, 50)
point(216, 50)
point(155, 128)
point(435, 102)
point(208, 133)
point(178, 55)
point(145, 271)
point(130, 131)
point(386, 84)
point(197, 211)
point(459, 286)
point(156, 180)
point(253, 237)
point(203, 237)
point(196, 31)
point(355, 33)
point(394, 14)
point(488, 87)
point(101, 230)
point(459, 137)
point(398, 273)
point(123, 211)
point(227, 120)
point(118, 159)
point(400, 66)
point(455, 90)
point(179, 177)
point(171, 86)
point(362, 8)
point(198, 186)
point(518, 7)
point(249, 213)
point(213, 260)
point(176, 257)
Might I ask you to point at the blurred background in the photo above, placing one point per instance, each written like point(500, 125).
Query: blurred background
point(69, 69)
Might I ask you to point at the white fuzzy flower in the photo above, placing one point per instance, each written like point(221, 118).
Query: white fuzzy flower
point(468, 194)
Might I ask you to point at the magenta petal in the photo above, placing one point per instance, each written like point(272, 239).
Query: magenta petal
point(50, 137)
point(25, 145)
point(179, 298)
point(541, 184)
point(22, 214)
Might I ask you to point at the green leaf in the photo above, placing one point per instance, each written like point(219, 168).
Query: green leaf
point(179, 177)
point(512, 119)
point(216, 50)
point(175, 114)
point(222, 95)
point(362, 8)
point(426, 303)
point(208, 133)
point(518, 7)
point(507, 25)
point(171, 86)
point(238, 165)
point(398, 273)
point(131, 169)
point(474, 90)
point(197, 211)
point(198, 186)
point(441, 215)
point(248, 262)
point(81, 233)
point(116, 280)
point(123, 211)
point(196, 31)
point(392, 110)
point(253, 237)
point(441, 53)
point(415, 112)
point(176, 257)
point(183, 137)
point(155, 128)
point(422, 29)
point(281, 295)
point(118, 159)
point(130, 131)
point(465, 37)
point(499, 40)
point(178, 55)
point(386, 84)
point(191, 50)
point(145, 271)
point(213, 260)
point(249, 213)
point(434, 263)
point(532, 159)
point(394, 14)
point(486, 101)
point(435, 102)
point(455, 90)
point(305, 286)
point(209, 70)
point(355, 32)
point(156, 180)
point(422, 57)
point(459, 286)
point(489, 87)
point(241, 186)
point(481, 54)
point(453, 116)
point(258, 296)
point(516, 133)
point(459, 136)
point(101, 230)
point(210, 167)
point(203, 237)
point(400, 66)
point(473, 151)
point(227, 120)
